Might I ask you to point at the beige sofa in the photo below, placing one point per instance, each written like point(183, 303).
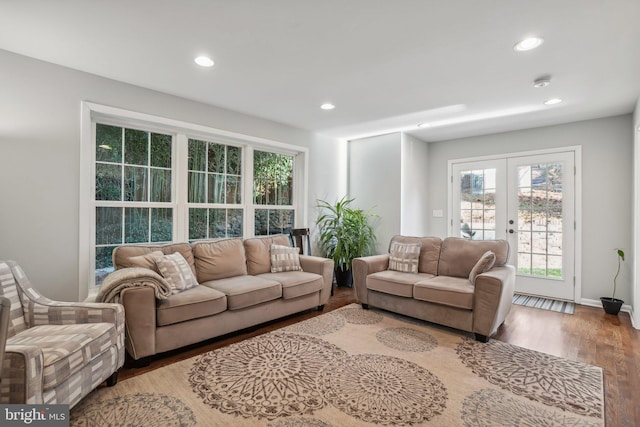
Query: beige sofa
point(441, 291)
point(236, 290)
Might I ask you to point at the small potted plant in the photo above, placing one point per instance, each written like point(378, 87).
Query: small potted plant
point(345, 233)
point(612, 305)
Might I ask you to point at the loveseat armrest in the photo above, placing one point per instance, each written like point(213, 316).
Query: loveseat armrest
point(140, 310)
point(323, 267)
point(22, 372)
point(492, 299)
point(361, 268)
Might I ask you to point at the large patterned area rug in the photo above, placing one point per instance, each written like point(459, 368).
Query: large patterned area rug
point(354, 367)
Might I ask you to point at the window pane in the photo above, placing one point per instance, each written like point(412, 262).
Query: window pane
point(216, 158)
point(197, 187)
point(103, 265)
point(108, 143)
point(135, 184)
point(261, 222)
point(160, 185)
point(217, 223)
point(136, 225)
point(273, 177)
point(108, 226)
point(197, 224)
point(108, 182)
point(234, 222)
point(234, 160)
point(234, 190)
point(161, 225)
point(135, 147)
point(197, 155)
point(160, 150)
point(216, 188)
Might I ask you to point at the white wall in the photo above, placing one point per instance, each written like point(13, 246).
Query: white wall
point(375, 182)
point(40, 155)
point(607, 157)
point(414, 194)
point(635, 288)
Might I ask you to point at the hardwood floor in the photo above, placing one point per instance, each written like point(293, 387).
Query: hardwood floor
point(588, 336)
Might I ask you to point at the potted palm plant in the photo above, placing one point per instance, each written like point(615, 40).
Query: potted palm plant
point(345, 233)
point(612, 305)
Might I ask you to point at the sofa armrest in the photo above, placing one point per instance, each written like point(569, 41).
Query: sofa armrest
point(492, 299)
point(22, 372)
point(323, 267)
point(140, 314)
point(361, 268)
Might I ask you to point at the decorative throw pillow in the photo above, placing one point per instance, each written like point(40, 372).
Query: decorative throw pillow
point(404, 257)
point(146, 261)
point(284, 258)
point(176, 271)
point(484, 264)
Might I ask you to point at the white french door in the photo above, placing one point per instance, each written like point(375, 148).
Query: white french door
point(528, 200)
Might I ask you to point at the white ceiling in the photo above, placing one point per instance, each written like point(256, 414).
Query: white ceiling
point(386, 65)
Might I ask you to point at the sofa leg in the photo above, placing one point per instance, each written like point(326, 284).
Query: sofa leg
point(113, 379)
point(482, 338)
point(365, 306)
point(321, 307)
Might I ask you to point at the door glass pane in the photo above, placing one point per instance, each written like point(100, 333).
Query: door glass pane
point(477, 204)
point(540, 220)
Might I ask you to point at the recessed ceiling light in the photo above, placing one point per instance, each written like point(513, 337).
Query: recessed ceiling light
point(553, 101)
point(528, 44)
point(204, 61)
point(542, 82)
point(424, 125)
point(327, 106)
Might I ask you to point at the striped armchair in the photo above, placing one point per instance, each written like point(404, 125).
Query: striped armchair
point(56, 352)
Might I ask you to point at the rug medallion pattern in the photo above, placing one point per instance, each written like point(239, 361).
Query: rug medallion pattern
point(541, 377)
point(407, 339)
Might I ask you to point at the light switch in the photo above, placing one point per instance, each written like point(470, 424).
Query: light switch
point(437, 213)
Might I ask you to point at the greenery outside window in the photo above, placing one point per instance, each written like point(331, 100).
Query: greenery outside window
point(272, 193)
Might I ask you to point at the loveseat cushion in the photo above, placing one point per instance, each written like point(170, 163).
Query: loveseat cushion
point(258, 252)
point(66, 349)
point(193, 303)
point(219, 259)
point(445, 290)
point(429, 252)
point(245, 291)
point(458, 255)
point(296, 283)
point(395, 282)
point(122, 254)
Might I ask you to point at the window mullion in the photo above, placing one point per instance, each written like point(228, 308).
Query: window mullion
point(180, 193)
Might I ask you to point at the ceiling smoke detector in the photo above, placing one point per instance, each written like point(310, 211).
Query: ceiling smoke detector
point(542, 82)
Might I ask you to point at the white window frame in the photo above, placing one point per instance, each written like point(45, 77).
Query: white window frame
point(181, 132)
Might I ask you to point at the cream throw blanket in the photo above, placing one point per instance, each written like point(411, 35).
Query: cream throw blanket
point(125, 278)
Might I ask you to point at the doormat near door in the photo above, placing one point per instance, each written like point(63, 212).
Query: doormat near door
point(354, 367)
point(544, 303)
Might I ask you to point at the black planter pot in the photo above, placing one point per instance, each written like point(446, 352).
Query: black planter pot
point(344, 278)
point(611, 305)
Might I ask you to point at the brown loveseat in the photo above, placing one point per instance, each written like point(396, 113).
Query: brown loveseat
point(441, 291)
point(236, 290)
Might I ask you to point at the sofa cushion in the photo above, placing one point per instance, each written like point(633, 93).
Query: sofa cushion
point(258, 252)
point(404, 257)
point(176, 271)
point(67, 348)
point(446, 290)
point(284, 258)
point(296, 283)
point(193, 303)
point(147, 261)
point(219, 259)
point(122, 254)
point(429, 253)
point(395, 282)
point(484, 264)
point(458, 255)
point(245, 291)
